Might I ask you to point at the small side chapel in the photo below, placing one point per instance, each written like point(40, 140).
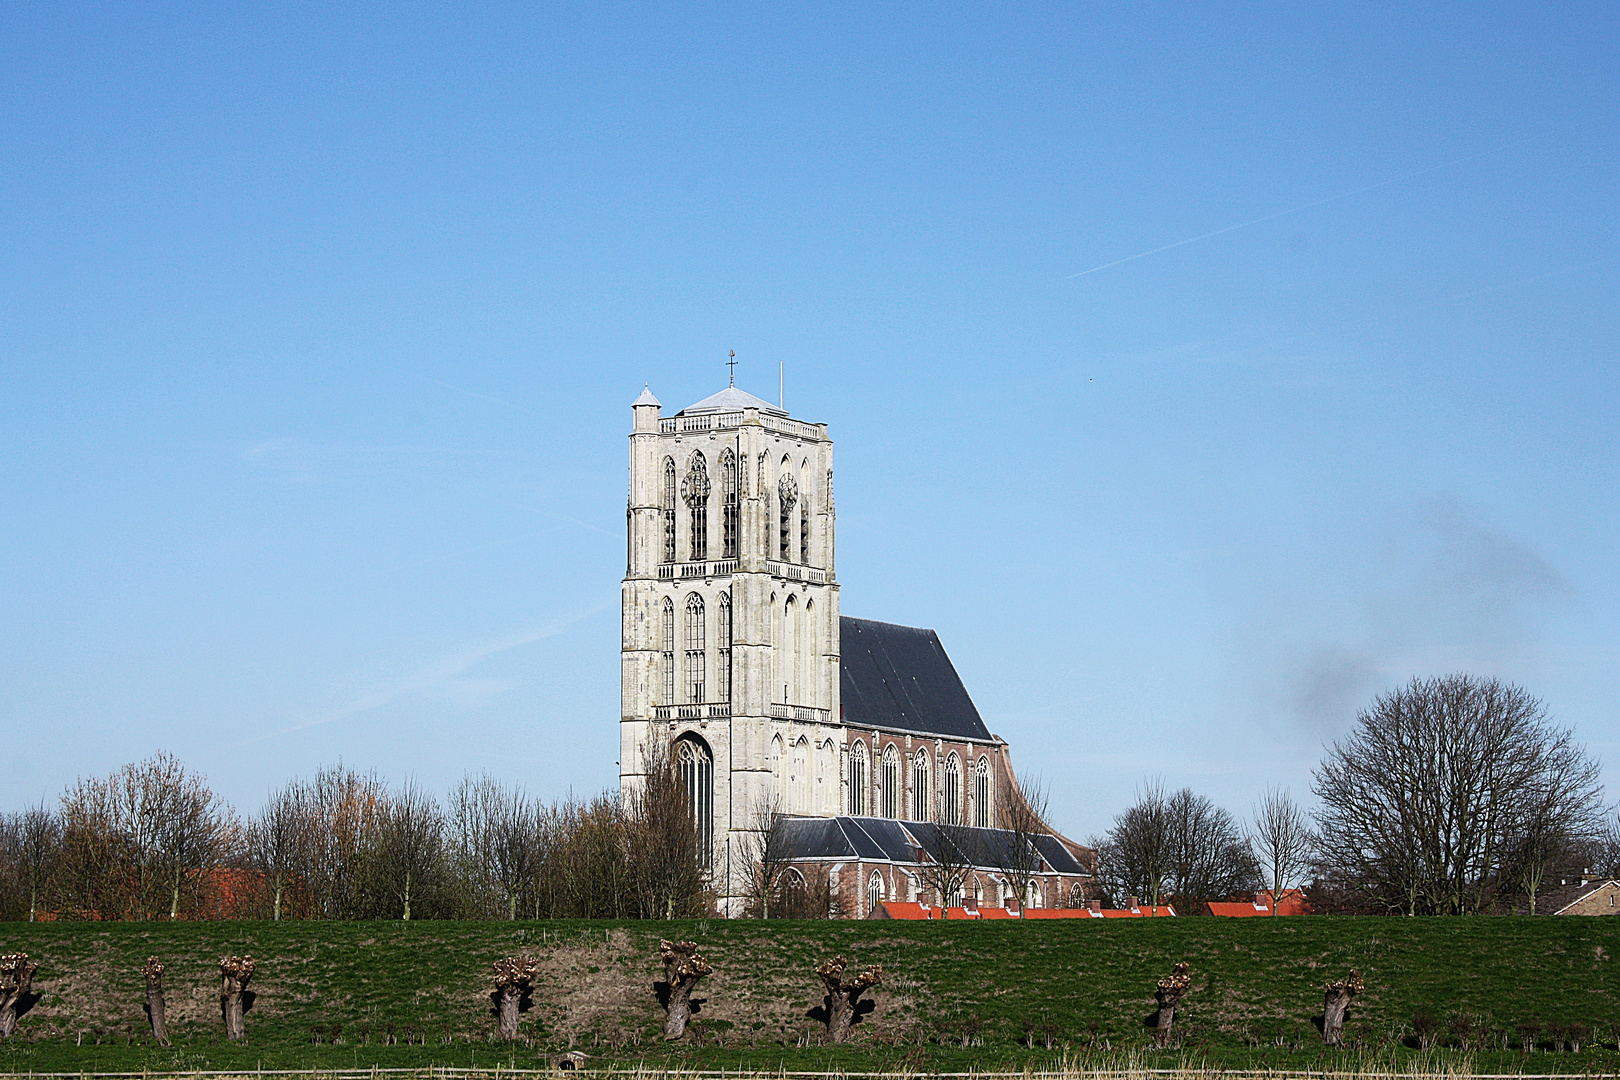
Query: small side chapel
point(737, 660)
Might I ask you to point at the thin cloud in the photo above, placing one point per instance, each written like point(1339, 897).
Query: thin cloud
point(437, 673)
point(1283, 213)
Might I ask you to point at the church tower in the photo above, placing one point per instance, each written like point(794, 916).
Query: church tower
point(730, 616)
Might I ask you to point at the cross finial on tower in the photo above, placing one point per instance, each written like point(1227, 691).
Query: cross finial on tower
point(732, 364)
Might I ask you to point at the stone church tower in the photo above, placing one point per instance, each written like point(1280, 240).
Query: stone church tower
point(853, 741)
point(730, 609)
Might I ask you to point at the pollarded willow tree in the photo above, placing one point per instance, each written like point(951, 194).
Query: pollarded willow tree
point(1444, 788)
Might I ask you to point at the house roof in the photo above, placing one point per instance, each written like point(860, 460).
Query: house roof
point(1236, 909)
point(899, 678)
point(732, 399)
point(1564, 900)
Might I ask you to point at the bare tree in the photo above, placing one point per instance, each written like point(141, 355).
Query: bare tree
point(843, 995)
point(345, 812)
point(31, 847)
point(1282, 841)
point(410, 846)
point(514, 981)
point(278, 841)
point(1168, 994)
point(1422, 802)
point(16, 980)
point(235, 972)
point(1210, 860)
point(765, 852)
point(155, 1010)
point(1135, 858)
point(142, 841)
point(1336, 1002)
point(665, 853)
point(1179, 845)
point(1021, 812)
point(498, 837)
point(952, 854)
point(683, 967)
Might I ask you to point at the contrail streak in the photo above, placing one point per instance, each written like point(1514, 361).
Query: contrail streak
point(1285, 213)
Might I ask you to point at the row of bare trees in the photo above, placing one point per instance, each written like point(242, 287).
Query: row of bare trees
point(1450, 796)
point(152, 841)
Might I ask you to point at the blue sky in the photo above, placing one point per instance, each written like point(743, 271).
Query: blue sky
point(321, 325)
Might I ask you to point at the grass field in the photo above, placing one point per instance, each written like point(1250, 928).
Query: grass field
point(964, 996)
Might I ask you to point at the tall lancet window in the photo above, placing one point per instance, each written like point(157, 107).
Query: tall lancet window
point(804, 523)
point(889, 783)
point(981, 794)
point(669, 509)
point(787, 493)
point(696, 767)
point(695, 489)
point(667, 657)
point(857, 779)
point(722, 646)
point(696, 652)
point(919, 786)
point(951, 783)
point(728, 504)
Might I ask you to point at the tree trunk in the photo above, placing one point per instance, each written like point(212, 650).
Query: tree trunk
point(1336, 1004)
point(514, 978)
point(506, 1009)
point(683, 967)
point(154, 1000)
point(235, 974)
point(16, 979)
point(1168, 995)
point(276, 910)
point(842, 996)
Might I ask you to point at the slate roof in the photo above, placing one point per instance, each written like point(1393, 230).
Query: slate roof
point(732, 399)
point(899, 678)
point(887, 840)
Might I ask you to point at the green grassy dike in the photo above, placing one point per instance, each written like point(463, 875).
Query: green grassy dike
point(960, 996)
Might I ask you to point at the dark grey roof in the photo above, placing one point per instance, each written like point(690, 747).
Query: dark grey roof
point(887, 840)
point(899, 677)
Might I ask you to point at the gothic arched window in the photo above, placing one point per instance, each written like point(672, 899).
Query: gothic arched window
point(728, 504)
point(668, 653)
point(799, 777)
point(889, 783)
point(696, 767)
point(981, 794)
point(787, 494)
point(722, 645)
point(695, 490)
point(919, 786)
point(807, 662)
point(778, 765)
point(874, 888)
point(787, 650)
point(804, 520)
point(668, 511)
point(951, 784)
point(857, 779)
point(696, 651)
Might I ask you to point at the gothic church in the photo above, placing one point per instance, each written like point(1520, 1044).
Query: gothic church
point(853, 735)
